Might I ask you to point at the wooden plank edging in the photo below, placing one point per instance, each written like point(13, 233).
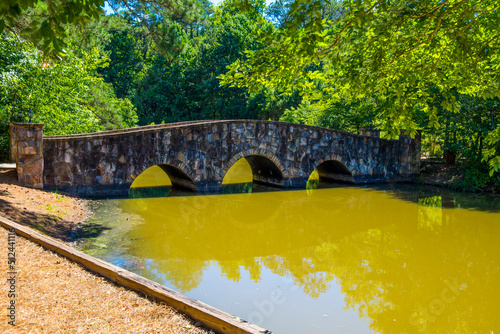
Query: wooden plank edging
point(210, 317)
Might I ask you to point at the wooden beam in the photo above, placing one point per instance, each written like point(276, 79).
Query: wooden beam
point(210, 317)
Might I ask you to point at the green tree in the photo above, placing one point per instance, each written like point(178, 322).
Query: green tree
point(44, 22)
point(127, 50)
point(67, 96)
point(188, 89)
point(391, 50)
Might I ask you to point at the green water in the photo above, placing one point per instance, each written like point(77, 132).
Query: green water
point(391, 259)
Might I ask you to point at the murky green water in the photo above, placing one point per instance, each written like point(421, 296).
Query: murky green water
point(343, 260)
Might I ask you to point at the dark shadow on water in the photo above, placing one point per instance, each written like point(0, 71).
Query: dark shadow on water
point(88, 230)
point(237, 188)
point(440, 197)
point(420, 194)
point(321, 184)
point(149, 192)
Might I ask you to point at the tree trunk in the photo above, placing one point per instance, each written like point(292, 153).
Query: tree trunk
point(450, 157)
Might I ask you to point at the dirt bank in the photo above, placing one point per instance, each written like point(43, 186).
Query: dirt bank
point(55, 295)
point(56, 215)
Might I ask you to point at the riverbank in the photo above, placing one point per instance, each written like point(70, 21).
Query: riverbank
point(54, 214)
point(55, 295)
point(438, 173)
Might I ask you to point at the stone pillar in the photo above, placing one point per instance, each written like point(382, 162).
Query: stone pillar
point(410, 153)
point(370, 133)
point(404, 137)
point(29, 153)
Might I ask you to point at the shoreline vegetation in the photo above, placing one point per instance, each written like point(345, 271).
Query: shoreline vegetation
point(436, 172)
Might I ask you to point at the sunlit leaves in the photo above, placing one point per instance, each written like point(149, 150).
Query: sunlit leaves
point(492, 154)
point(43, 22)
point(66, 96)
point(383, 49)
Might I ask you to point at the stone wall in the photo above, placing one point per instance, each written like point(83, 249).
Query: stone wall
point(197, 155)
point(27, 148)
point(375, 133)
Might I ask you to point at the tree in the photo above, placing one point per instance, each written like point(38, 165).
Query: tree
point(127, 49)
point(46, 22)
point(43, 22)
point(391, 50)
point(280, 12)
point(67, 96)
point(188, 89)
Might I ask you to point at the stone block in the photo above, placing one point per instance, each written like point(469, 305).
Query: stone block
point(30, 150)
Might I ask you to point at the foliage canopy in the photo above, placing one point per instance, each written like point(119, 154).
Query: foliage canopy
point(393, 51)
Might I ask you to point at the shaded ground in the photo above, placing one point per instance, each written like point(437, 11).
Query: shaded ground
point(53, 214)
point(437, 173)
point(55, 295)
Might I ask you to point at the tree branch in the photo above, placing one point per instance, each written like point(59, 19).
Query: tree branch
point(438, 25)
point(343, 29)
point(460, 33)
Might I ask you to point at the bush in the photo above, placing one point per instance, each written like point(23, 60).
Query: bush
point(4, 143)
point(476, 177)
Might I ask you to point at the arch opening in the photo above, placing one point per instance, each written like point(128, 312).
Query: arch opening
point(265, 171)
point(328, 172)
point(251, 170)
point(238, 179)
point(159, 181)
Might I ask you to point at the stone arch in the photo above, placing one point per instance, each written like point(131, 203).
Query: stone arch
point(178, 177)
point(334, 170)
point(266, 167)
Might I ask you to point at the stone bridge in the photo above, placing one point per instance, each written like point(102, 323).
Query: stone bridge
point(197, 156)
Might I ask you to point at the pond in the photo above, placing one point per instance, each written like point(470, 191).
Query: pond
point(388, 259)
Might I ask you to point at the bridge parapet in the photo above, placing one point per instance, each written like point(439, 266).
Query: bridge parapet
point(375, 133)
point(197, 155)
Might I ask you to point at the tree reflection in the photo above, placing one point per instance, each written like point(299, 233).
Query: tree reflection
point(407, 268)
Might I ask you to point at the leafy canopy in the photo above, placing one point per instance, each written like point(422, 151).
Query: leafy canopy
point(67, 96)
point(389, 50)
point(43, 21)
point(46, 22)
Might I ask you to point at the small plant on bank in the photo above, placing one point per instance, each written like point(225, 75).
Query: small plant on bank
point(49, 208)
point(54, 211)
point(59, 197)
point(476, 178)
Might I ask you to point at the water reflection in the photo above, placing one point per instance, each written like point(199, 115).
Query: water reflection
point(405, 267)
point(449, 199)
